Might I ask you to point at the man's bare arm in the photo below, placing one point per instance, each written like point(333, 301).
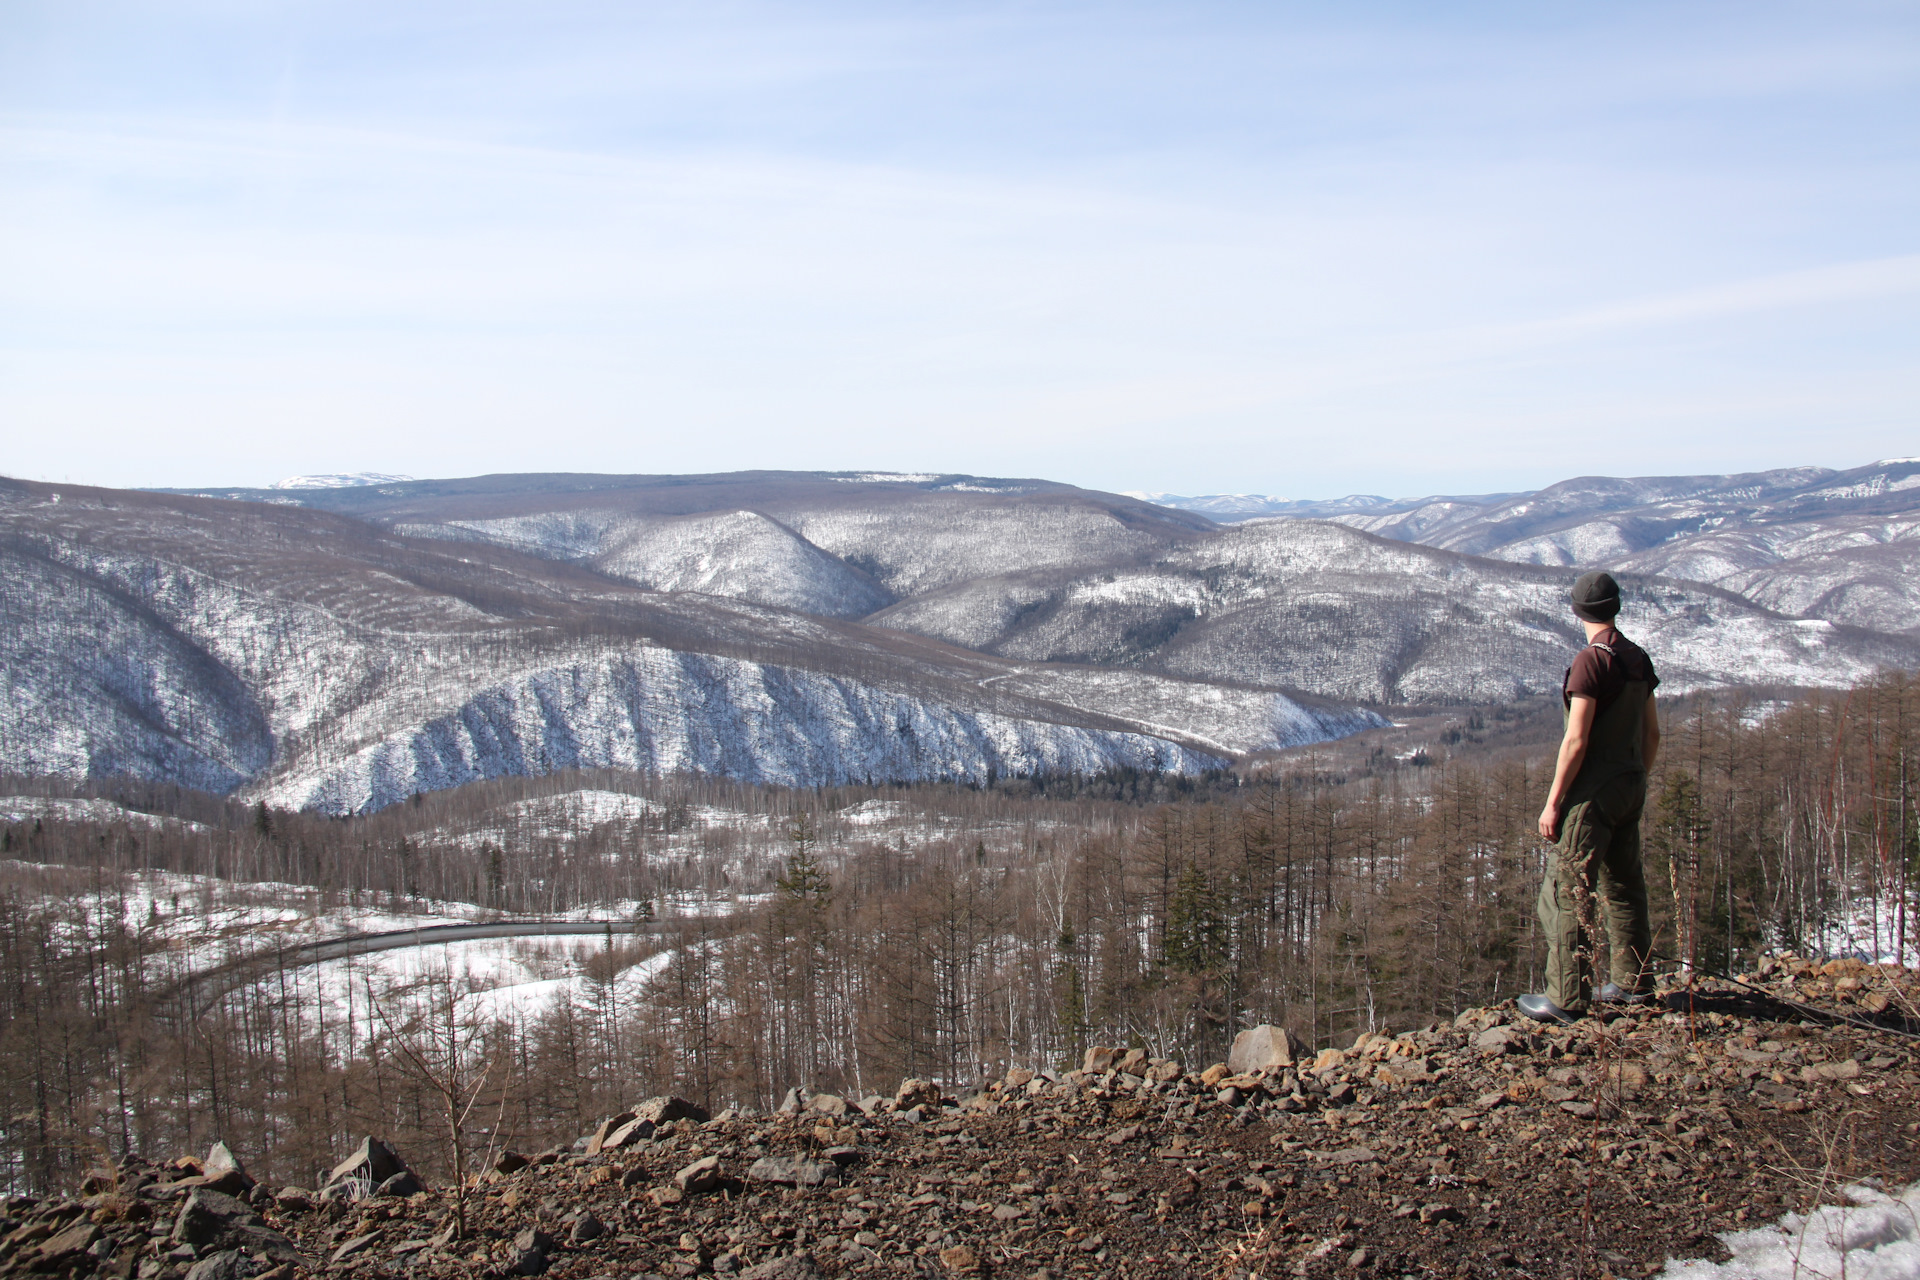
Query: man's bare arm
point(1650, 740)
point(1573, 753)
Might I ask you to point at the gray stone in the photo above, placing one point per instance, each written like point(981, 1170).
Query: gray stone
point(372, 1162)
point(610, 1125)
point(76, 1239)
point(1262, 1048)
point(661, 1110)
point(533, 1252)
point(792, 1103)
point(917, 1093)
point(586, 1229)
point(228, 1264)
point(207, 1215)
point(633, 1131)
point(828, 1104)
point(795, 1266)
point(211, 1218)
point(403, 1183)
point(702, 1175)
point(353, 1246)
point(1495, 1041)
point(794, 1171)
point(224, 1172)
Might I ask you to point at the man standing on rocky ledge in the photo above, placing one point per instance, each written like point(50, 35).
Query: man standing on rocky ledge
point(1593, 811)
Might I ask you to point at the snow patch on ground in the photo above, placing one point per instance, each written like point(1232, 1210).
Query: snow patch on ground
point(871, 812)
point(510, 979)
point(62, 809)
point(1877, 1237)
point(201, 922)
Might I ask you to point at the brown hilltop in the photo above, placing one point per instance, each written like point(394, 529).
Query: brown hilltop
point(1490, 1145)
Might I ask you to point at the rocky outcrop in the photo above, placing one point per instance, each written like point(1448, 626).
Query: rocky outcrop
point(1485, 1144)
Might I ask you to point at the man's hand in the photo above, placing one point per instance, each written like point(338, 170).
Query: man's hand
point(1573, 751)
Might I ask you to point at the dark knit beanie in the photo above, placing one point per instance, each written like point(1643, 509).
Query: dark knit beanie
point(1596, 597)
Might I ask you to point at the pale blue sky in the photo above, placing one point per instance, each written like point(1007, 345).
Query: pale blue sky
point(1294, 249)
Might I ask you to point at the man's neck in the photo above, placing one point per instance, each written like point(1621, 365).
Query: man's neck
point(1594, 629)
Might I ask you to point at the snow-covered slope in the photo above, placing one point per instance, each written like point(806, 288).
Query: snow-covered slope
point(740, 555)
point(341, 480)
point(306, 659)
point(658, 711)
point(1795, 540)
point(745, 556)
point(347, 652)
point(1316, 606)
point(917, 548)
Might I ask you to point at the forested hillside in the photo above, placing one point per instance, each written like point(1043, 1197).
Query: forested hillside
point(851, 937)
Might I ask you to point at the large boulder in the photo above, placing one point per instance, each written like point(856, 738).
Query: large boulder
point(635, 1130)
point(916, 1093)
point(63, 1246)
point(222, 1171)
point(1262, 1048)
point(533, 1251)
point(661, 1110)
point(206, 1216)
point(702, 1175)
point(371, 1164)
point(402, 1184)
point(608, 1127)
point(211, 1219)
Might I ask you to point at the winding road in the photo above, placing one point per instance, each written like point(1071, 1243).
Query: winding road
point(356, 944)
point(269, 960)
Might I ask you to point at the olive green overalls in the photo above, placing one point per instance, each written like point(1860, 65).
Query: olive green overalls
point(1600, 843)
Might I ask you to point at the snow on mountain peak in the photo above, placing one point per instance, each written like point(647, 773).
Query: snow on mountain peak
point(353, 480)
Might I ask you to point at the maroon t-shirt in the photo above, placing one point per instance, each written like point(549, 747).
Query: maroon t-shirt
point(1603, 668)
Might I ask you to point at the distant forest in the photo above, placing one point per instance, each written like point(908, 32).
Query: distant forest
point(1127, 909)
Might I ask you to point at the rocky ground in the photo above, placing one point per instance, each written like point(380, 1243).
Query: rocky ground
point(1485, 1146)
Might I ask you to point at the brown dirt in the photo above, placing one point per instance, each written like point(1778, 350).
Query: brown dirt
point(1600, 1149)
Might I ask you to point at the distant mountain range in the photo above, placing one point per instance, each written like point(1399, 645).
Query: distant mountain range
point(1230, 508)
point(352, 481)
point(341, 647)
point(1806, 541)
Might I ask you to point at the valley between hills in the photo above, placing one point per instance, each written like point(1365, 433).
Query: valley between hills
point(340, 649)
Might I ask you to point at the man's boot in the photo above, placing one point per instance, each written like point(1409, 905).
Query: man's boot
point(1541, 1009)
point(1614, 993)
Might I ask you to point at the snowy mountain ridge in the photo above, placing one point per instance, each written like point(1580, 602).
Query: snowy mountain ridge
point(364, 643)
point(1804, 541)
point(313, 662)
point(340, 481)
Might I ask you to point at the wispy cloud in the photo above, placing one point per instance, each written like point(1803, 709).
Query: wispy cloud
point(967, 238)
